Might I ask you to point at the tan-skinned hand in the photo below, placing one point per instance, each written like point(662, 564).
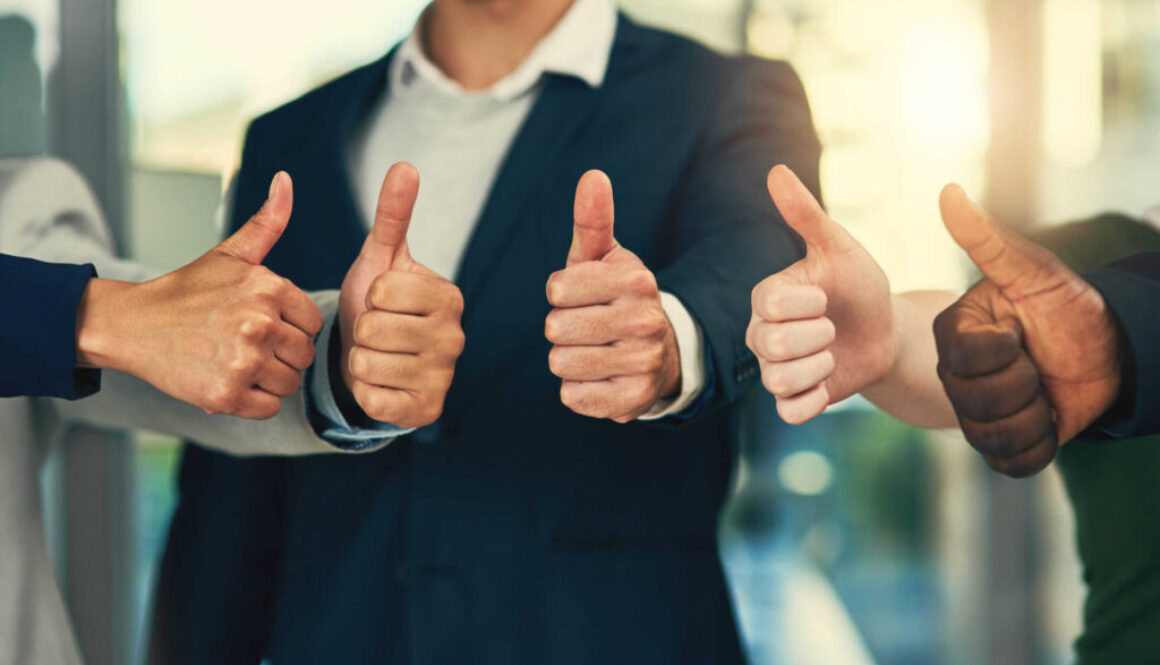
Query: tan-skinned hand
point(400, 321)
point(613, 345)
point(223, 333)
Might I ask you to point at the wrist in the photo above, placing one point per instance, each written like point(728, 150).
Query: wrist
point(892, 365)
point(671, 383)
point(100, 313)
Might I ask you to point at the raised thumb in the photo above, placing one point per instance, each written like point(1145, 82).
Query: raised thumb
point(592, 236)
point(387, 242)
point(802, 211)
point(257, 237)
point(1004, 257)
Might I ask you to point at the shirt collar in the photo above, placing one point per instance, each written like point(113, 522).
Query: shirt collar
point(580, 45)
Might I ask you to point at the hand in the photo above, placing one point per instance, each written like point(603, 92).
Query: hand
point(822, 328)
point(1029, 356)
point(399, 320)
point(614, 347)
point(222, 333)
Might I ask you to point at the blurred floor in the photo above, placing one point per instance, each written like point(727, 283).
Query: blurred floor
point(789, 612)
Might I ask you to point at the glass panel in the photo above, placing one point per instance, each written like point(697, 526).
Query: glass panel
point(28, 50)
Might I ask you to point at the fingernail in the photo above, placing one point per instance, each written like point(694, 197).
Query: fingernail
point(275, 185)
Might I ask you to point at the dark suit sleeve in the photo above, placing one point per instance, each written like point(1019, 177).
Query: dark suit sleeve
point(1132, 290)
point(38, 339)
point(729, 235)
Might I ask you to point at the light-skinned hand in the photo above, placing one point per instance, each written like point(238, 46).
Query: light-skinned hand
point(823, 328)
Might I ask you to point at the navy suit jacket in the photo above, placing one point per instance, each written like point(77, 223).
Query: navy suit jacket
point(1131, 288)
point(513, 530)
point(38, 333)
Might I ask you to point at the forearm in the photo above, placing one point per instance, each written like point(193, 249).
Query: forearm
point(126, 401)
point(912, 391)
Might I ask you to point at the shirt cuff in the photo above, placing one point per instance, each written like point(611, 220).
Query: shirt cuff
point(327, 418)
point(691, 349)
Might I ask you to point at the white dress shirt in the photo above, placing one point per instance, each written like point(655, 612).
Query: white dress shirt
point(457, 139)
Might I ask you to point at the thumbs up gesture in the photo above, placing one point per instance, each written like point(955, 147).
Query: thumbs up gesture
point(399, 320)
point(1028, 356)
point(822, 329)
point(222, 333)
point(613, 345)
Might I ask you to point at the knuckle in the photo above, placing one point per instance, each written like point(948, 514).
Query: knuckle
point(776, 343)
point(752, 335)
point(454, 302)
point(774, 303)
point(992, 439)
point(1012, 467)
point(653, 359)
point(572, 397)
point(373, 404)
point(432, 411)
point(446, 377)
point(259, 278)
point(643, 395)
point(775, 382)
point(222, 397)
point(380, 291)
point(281, 287)
point(450, 344)
point(555, 288)
point(365, 329)
point(458, 342)
point(757, 298)
point(974, 405)
point(941, 325)
point(360, 363)
point(243, 363)
point(830, 331)
point(557, 362)
point(642, 282)
point(790, 413)
point(649, 323)
point(553, 327)
point(567, 396)
point(256, 327)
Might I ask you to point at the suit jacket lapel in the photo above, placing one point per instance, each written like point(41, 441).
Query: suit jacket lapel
point(352, 109)
point(554, 123)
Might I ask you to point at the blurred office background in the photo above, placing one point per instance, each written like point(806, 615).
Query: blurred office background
point(851, 540)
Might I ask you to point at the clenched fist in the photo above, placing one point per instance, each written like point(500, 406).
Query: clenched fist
point(613, 346)
point(222, 333)
point(400, 327)
point(1028, 356)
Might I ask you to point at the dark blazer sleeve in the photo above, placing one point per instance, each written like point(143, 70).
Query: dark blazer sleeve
point(38, 339)
point(1131, 288)
point(729, 234)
